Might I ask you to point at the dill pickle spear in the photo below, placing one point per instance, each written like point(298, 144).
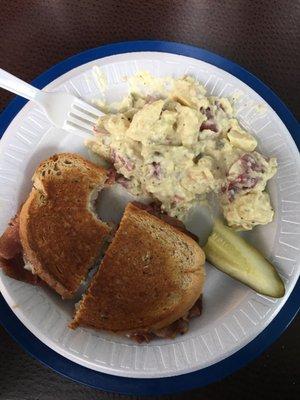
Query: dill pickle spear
point(231, 254)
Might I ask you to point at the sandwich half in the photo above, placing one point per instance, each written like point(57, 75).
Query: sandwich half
point(57, 231)
point(148, 282)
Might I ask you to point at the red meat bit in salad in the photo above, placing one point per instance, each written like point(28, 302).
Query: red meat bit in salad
point(99, 131)
point(156, 170)
point(114, 177)
point(118, 159)
point(250, 164)
point(123, 181)
point(244, 181)
point(210, 125)
point(207, 112)
point(230, 189)
point(111, 176)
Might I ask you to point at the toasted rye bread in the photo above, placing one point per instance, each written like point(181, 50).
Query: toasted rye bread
point(60, 235)
point(151, 275)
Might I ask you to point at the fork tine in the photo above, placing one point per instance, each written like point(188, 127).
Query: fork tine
point(86, 116)
point(72, 127)
point(76, 130)
point(79, 122)
point(87, 107)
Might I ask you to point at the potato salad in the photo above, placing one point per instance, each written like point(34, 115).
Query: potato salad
point(169, 140)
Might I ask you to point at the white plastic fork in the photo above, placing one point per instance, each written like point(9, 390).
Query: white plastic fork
point(63, 109)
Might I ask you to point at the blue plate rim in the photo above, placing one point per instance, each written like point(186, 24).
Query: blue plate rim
point(174, 384)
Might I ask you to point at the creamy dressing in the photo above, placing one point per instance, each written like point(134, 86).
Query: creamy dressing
point(172, 142)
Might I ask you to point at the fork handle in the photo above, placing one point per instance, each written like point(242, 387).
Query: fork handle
point(17, 86)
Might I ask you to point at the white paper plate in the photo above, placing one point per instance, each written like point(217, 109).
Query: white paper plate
point(233, 315)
